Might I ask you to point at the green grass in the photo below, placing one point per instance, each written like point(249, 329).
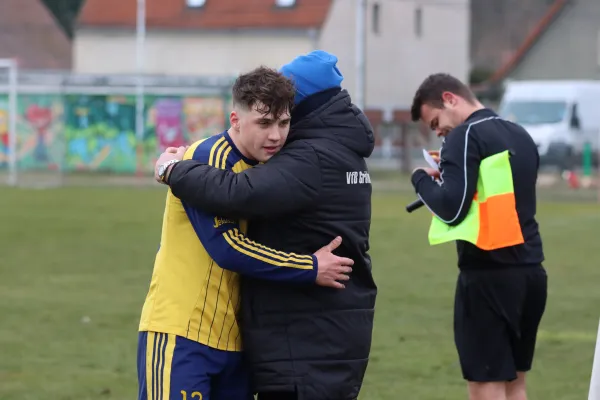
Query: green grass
point(72, 254)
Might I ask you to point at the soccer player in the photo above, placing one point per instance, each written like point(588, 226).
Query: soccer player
point(311, 342)
point(502, 286)
point(190, 346)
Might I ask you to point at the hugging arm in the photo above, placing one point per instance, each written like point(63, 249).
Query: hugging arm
point(287, 183)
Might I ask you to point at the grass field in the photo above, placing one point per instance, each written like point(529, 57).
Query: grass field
point(75, 266)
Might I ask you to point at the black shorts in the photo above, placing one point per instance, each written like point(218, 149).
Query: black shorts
point(496, 318)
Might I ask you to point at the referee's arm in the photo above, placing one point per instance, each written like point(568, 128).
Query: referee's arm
point(450, 199)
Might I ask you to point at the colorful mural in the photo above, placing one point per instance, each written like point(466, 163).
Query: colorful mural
point(205, 117)
point(100, 134)
point(39, 127)
point(168, 123)
point(97, 133)
point(3, 133)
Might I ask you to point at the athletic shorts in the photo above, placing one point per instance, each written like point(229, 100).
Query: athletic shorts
point(175, 368)
point(496, 318)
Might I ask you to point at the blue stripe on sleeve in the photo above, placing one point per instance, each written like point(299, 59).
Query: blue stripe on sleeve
point(231, 250)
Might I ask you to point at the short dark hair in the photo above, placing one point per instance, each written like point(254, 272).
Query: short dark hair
point(430, 93)
point(267, 87)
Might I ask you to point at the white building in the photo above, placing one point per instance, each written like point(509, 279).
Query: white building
point(405, 39)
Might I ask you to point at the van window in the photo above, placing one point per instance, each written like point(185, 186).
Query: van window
point(534, 112)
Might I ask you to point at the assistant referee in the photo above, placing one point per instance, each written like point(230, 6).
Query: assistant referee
point(501, 291)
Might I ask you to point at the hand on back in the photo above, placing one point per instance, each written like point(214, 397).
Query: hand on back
point(331, 268)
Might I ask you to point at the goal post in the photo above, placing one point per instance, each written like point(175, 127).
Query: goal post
point(594, 393)
point(32, 136)
point(10, 65)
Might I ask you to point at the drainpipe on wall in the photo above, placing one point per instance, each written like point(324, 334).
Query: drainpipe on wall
point(313, 35)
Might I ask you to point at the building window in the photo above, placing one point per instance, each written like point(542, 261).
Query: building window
point(418, 22)
point(376, 18)
point(285, 3)
point(195, 3)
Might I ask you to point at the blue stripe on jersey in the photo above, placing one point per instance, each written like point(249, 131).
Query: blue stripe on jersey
point(227, 245)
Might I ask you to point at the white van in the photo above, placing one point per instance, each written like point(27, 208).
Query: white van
point(560, 116)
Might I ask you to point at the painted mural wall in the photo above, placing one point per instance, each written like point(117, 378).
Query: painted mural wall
point(97, 133)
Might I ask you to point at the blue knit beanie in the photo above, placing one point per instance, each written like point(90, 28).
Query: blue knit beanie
point(313, 73)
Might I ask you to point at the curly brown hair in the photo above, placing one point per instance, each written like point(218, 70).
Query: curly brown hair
point(265, 88)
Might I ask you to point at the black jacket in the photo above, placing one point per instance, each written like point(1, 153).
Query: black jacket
point(482, 135)
point(307, 338)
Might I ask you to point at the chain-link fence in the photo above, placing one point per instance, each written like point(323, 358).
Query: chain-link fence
point(80, 129)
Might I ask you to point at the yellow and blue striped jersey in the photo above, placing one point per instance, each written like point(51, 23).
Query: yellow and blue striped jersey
point(194, 291)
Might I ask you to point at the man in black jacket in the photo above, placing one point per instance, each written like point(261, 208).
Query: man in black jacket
point(501, 293)
point(305, 342)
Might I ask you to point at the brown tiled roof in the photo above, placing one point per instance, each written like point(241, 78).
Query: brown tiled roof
point(215, 14)
point(529, 41)
point(29, 33)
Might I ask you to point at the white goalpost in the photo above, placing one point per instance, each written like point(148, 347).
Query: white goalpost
point(10, 65)
point(594, 393)
point(32, 148)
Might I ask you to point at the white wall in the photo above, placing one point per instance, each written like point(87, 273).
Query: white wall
point(397, 58)
point(186, 53)
point(337, 37)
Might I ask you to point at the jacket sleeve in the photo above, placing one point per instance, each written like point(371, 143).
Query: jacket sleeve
point(451, 198)
point(289, 182)
point(231, 250)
